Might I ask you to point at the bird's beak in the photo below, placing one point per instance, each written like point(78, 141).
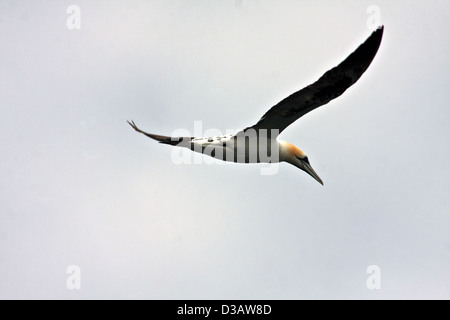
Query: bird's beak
point(307, 167)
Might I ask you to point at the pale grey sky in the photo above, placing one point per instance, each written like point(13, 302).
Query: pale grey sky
point(79, 187)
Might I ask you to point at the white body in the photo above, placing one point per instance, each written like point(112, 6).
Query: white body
point(240, 148)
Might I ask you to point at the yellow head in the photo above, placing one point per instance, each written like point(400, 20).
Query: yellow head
point(295, 156)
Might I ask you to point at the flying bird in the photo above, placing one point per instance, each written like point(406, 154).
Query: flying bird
point(259, 143)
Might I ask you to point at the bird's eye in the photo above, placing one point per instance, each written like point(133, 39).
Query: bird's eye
point(305, 159)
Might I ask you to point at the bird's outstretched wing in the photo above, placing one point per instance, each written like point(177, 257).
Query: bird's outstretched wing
point(331, 85)
point(173, 141)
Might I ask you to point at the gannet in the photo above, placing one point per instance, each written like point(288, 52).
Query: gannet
point(259, 143)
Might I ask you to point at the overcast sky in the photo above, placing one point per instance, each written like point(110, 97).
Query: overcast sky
point(79, 187)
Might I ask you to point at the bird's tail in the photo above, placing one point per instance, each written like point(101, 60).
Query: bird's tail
point(173, 141)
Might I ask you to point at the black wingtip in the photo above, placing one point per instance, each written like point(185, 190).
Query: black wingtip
point(376, 38)
point(161, 139)
point(378, 34)
point(133, 125)
point(364, 54)
point(380, 29)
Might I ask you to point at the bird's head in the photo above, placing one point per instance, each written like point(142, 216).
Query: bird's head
point(294, 155)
